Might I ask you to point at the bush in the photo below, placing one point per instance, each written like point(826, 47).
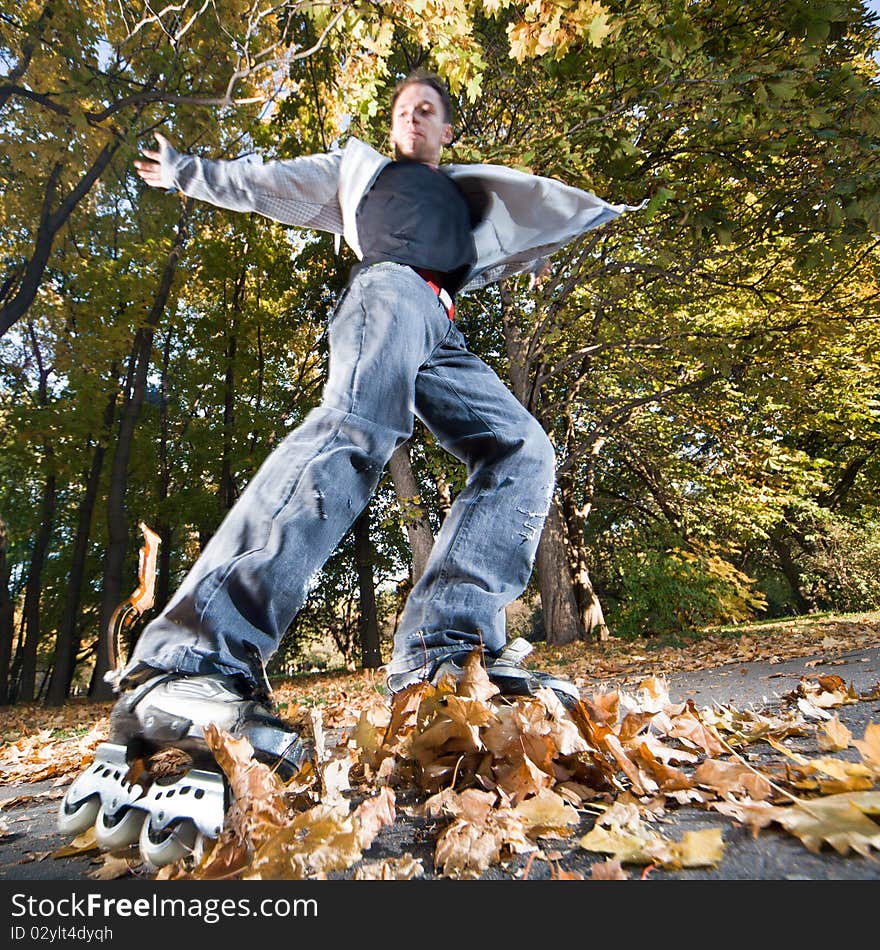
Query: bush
point(675, 591)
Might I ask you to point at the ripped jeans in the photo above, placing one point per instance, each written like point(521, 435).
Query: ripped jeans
point(393, 354)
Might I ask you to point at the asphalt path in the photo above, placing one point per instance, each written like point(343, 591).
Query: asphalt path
point(773, 855)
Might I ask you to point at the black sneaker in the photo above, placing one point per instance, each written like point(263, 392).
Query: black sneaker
point(504, 670)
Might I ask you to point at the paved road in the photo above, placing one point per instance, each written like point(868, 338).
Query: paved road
point(773, 855)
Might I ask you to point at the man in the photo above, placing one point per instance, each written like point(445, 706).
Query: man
point(423, 234)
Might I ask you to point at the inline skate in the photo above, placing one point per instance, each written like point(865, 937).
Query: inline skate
point(172, 810)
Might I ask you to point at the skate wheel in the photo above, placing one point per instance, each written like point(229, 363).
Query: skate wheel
point(159, 848)
point(75, 819)
point(115, 832)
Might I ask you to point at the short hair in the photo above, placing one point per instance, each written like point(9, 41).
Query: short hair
point(424, 78)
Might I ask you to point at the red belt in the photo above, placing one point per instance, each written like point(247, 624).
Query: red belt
point(442, 294)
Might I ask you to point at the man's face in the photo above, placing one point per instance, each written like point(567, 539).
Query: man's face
point(418, 128)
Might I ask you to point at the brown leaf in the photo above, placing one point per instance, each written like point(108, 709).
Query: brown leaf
point(257, 790)
point(688, 726)
point(229, 856)
point(838, 820)
point(372, 815)
point(728, 777)
point(521, 778)
point(112, 868)
point(465, 849)
point(81, 844)
point(404, 710)
point(603, 707)
point(313, 843)
point(474, 682)
point(608, 870)
point(668, 778)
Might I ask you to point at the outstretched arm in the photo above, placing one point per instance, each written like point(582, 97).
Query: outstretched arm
point(301, 191)
point(151, 170)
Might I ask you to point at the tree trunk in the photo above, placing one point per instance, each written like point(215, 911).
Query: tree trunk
point(7, 617)
point(559, 606)
point(444, 496)
point(27, 682)
point(592, 617)
point(589, 607)
point(117, 522)
point(790, 572)
point(228, 489)
point(227, 493)
point(50, 224)
point(412, 511)
point(371, 656)
point(163, 529)
point(562, 623)
point(69, 629)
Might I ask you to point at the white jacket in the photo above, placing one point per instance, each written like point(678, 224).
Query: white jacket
point(523, 218)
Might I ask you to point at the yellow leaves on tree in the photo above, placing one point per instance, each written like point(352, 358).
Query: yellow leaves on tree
point(556, 25)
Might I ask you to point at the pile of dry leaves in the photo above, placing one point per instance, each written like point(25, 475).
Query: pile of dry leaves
point(499, 777)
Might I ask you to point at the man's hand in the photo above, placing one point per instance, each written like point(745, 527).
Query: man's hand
point(151, 170)
point(539, 276)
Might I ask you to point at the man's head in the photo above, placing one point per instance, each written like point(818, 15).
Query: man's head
point(421, 114)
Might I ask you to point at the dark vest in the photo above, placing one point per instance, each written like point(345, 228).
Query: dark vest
point(416, 215)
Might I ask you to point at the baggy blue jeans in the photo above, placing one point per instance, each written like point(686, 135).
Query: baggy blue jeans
point(394, 354)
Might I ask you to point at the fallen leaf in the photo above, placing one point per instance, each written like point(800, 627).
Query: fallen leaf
point(334, 779)
point(869, 747)
point(372, 815)
point(689, 727)
point(609, 870)
point(404, 868)
point(474, 682)
point(838, 820)
point(317, 722)
point(81, 844)
point(698, 849)
point(313, 843)
point(112, 868)
point(465, 849)
point(547, 814)
point(833, 736)
point(727, 777)
point(257, 790)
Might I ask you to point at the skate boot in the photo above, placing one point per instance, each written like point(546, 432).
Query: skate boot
point(505, 671)
point(171, 816)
